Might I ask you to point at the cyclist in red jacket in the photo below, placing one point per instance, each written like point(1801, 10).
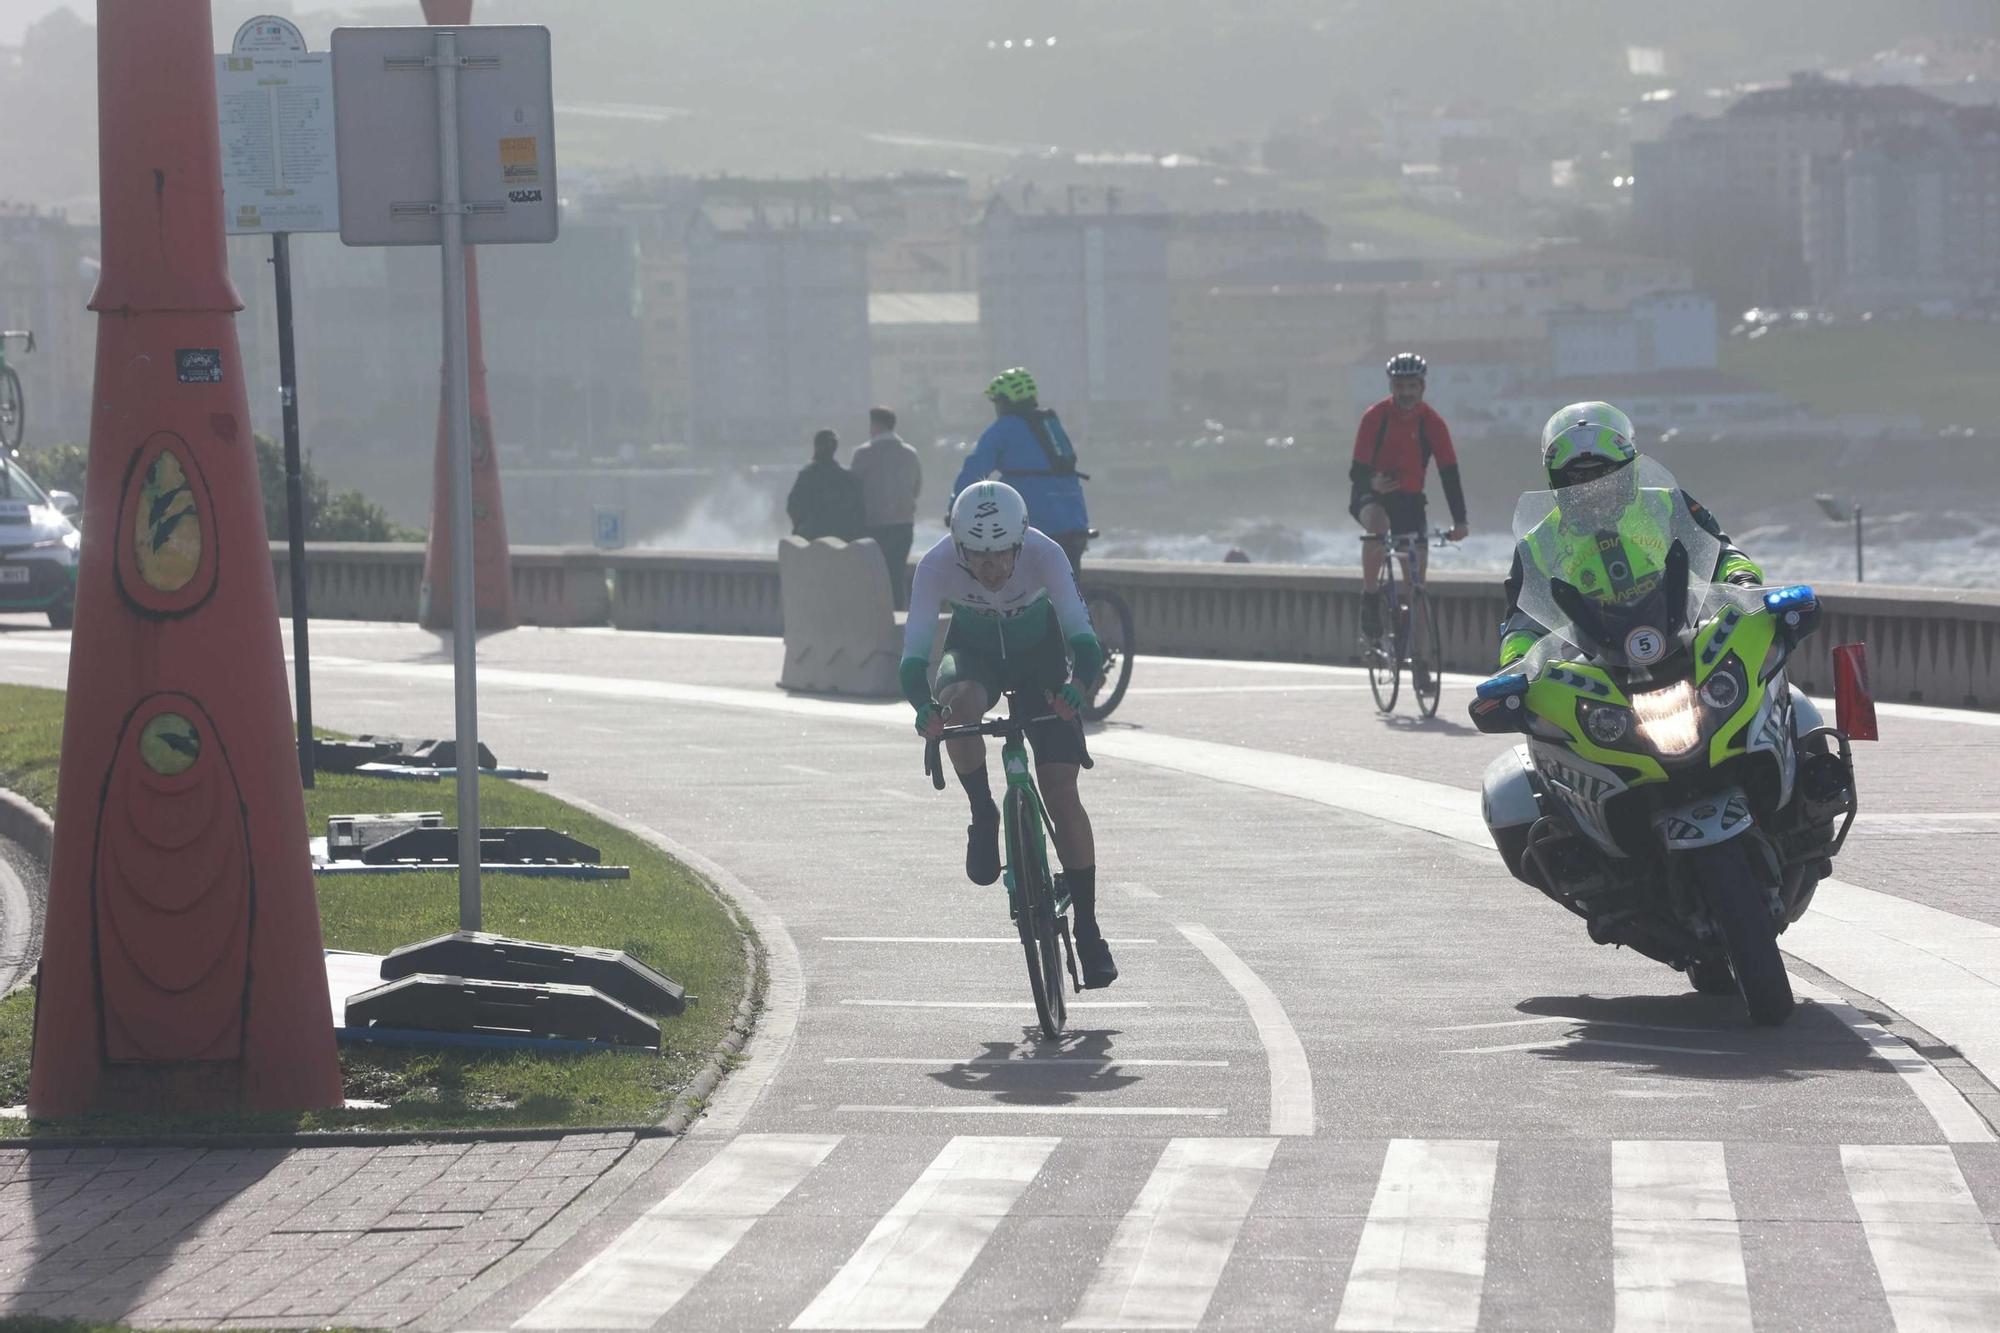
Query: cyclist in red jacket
point(1393, 448)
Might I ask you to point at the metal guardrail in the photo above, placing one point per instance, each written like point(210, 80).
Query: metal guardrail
point(1925, 645)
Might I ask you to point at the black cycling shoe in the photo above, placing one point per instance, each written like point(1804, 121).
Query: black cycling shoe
point(1098, 969)
point(982, 849)
point(1371, 620)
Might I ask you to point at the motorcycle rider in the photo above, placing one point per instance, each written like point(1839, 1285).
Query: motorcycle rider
point(1583, 443)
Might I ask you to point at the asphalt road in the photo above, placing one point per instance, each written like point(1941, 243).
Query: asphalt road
point(1353, 1075)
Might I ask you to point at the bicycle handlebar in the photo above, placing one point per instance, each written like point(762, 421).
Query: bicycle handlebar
point(27, 337)
point(1411, 540)
point(999, 726)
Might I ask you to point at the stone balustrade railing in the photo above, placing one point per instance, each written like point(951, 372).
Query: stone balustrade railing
point(1927, 645)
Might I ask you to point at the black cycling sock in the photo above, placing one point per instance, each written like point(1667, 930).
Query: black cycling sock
point(977, 792)
point(1083, 899)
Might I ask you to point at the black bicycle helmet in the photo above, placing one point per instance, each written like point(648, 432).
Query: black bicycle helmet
point(1404, 364)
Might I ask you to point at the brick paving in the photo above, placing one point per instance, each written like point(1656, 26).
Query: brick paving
point(261, 1238)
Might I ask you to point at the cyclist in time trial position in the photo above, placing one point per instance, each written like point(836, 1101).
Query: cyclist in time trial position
point(1016, 624)
point(1393, 447)
point(1027, 447)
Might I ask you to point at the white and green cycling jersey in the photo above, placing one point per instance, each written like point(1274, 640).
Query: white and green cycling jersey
point(1010, 623)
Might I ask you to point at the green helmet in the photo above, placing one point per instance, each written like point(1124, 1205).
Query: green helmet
point(1586, 440)
point(1012, 386)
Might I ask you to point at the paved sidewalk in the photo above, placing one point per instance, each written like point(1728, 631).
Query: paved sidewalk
point(275, 1237)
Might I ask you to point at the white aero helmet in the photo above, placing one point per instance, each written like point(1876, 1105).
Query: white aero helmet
point(988, 516)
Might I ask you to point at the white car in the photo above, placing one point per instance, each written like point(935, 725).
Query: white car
point(38, 546)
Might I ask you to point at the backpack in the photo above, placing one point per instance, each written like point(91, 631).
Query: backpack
point(1056, 447)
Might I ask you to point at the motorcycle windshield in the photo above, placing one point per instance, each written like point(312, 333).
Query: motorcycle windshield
point(1616, 569)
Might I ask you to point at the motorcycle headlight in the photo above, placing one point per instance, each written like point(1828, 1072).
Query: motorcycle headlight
point(1669, 719)
point(1604, 723)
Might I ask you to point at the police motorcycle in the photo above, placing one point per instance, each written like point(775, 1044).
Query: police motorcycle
point(1673, 790)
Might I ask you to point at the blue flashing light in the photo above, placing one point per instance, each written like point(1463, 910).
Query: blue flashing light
point(1503, 687)
point(1798, 597)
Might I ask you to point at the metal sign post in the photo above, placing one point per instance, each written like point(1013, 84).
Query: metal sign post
point(278, 156)
point(484, 174)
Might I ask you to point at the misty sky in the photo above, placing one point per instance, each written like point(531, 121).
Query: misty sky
point(16, 15)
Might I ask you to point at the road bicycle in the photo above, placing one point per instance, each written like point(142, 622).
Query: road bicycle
point(13, 404)
point(1038, 901)
point(1111, 618)
point(1409, 635)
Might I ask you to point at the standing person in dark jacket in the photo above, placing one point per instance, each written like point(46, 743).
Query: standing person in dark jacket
point(826, 499)
point(1393, 448)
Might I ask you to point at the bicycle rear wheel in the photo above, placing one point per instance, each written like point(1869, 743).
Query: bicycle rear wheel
point(1111, 617)
point(13, 409)
point(1385, 656)
point(1034, 917)
point(1426, 653)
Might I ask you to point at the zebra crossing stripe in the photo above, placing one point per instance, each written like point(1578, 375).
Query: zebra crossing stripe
point(917, 1253)
point(1422, 1259)
point(1933, 1249)
point(1677, 1253)
point(644, 1273)
point(1169, 1252)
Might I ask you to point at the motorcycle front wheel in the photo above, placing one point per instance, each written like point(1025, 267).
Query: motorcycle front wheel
point(1741, 911)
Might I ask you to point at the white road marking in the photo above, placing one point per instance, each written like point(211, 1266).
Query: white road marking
point(1021, 1062)
point(1067, 1109)
point(994, 1004)
point(1422, 1259)
point(1291, 1076)
point(1955, 1116)
point(1677, 1253)
point(1558, 1043)
point(1933, 1249)
point(639, 1277)
point(807, 770)
point(949, 939)
point(1573, 1018)
point(1135, 692)
point(898, 794)
point(916, 1254)
point(1140, 891)
point(1169, 1252)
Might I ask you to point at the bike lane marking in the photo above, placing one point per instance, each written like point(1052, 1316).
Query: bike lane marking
point(1284, 1053)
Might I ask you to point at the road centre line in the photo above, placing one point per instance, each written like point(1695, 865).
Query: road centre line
point(993, 1004)
point(1018, 1062)
point(1561, 1043)
point(948, 939)
point(1939, 970)
point(1284, 1053)
point(1209, 1112)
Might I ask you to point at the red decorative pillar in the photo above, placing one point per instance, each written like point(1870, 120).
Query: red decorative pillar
point(182, 967)
point(493, 576)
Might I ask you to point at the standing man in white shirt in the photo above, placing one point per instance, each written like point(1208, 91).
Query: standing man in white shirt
point(891, 475)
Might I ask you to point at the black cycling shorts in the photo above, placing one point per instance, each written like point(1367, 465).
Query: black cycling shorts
point(1404, 508)
point(1025, 680)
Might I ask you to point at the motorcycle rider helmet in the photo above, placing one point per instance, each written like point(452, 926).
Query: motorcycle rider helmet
point(1586, 441)
point(1404, 364)
point(1011, 387)
point(988, 516)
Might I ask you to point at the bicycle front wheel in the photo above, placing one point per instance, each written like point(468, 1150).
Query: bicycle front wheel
point(1385, 656)
point(1426, 653)
point(1035, 916)
point(13, 408)
point(1111, 617)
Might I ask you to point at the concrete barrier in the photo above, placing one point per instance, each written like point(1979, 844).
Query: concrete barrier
point(1925, 645)
point(842, 635)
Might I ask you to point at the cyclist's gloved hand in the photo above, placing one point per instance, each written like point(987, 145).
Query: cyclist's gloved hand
point(930, 721)
point(1067, 702)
